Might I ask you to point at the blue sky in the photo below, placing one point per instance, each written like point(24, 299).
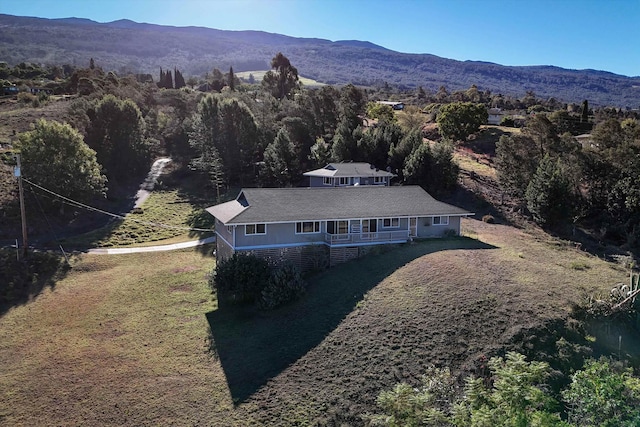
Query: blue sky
point(577, 34)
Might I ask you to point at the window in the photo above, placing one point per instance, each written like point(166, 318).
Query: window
point(344, 180)
point(251, 229)
point(307, 227)
point(391, 222)
point(338, 227)
point(327, 180)
point(440, 220)
point(378, 179)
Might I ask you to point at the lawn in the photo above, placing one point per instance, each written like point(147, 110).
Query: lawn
point(166, 215)
point(139, 339)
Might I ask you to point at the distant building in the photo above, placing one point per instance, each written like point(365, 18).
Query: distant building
point(393, 104)
point(348, 174)
point(495, 116)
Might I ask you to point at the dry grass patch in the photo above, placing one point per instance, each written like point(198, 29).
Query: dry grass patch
point(138, 339)
point(110, 346)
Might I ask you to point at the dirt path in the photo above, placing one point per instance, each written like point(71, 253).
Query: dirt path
point(152, 178)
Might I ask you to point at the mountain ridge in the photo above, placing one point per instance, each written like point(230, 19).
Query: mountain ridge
point(128, 46)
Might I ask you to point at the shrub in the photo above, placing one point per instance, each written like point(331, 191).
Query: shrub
point(26, 98)
point(240, 278)
point(285, 284)
point(489, 219)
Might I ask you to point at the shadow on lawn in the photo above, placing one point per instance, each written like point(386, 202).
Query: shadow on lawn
point(255, 346)
point(25, 280)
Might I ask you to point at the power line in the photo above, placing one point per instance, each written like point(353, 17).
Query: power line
point(111, 214)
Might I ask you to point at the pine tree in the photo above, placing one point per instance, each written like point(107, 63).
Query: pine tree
point(179, 79)
point(168, 83)
point(231, 83)
point(584, 113)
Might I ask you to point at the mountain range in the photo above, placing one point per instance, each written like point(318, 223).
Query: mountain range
point(127, 46)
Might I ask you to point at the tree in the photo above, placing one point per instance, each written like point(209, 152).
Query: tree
point(217, 80)
point(376, 143)
point(116, 133)
point(458, 120)
point(515, 397)
point(280, 162)
point(382, 112)
point(205, 139)
point(231, 80)
point(345, 143)
point(584, 112)
point(432, 168)
point(549, 195)
point(398, 153)
point(283, 79)
point(517, 159)
point(180, 83)
point(601, 394)
point(238, 141)
point(55, 156)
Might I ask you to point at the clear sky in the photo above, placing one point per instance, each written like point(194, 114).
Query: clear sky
point(577, 34)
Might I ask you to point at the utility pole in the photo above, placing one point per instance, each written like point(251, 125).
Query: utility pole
point(18, 174)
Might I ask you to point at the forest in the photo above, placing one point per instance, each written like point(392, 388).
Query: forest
point(237, 134)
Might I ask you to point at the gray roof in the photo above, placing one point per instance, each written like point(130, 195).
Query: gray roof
point(348, 169)
point(270, 205)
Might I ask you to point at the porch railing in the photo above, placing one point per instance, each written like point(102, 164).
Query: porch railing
point(360, 238)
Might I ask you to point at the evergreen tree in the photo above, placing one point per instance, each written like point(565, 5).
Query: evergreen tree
point(116, 132)
point(168, 80)
point(179, 79)
point(280, 162)
point(205, 139)
point(432, 169)
point(231, 81)
point(549, 193)
point(584, 112)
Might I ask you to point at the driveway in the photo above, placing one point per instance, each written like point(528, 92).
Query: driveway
point(159, 248)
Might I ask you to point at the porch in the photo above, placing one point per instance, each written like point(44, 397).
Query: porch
point(364, 238)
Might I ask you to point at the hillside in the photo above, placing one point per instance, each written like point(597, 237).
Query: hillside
point(143, 48)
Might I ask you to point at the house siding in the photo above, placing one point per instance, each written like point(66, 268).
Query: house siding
point(318, 182)
point(278, 234)
point(224, 251)
point(425, 229)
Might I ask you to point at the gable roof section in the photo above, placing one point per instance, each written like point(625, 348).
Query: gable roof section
point(348, 169)
point(270, 205)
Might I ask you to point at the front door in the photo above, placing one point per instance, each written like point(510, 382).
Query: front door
point(413, 227)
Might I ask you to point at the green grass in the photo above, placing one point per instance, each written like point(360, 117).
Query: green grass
point(162, 208)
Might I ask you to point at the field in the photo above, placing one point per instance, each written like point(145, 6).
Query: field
point(258, 75)
point(140, 340)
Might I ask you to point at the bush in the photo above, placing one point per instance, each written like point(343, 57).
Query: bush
point(285, 284)
point(489, 219)
point(240, 278)
point(250, 279)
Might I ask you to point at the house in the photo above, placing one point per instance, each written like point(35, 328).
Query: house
point(399, 106)
point(495, 116)
point(346, 174)
point(320, 226)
